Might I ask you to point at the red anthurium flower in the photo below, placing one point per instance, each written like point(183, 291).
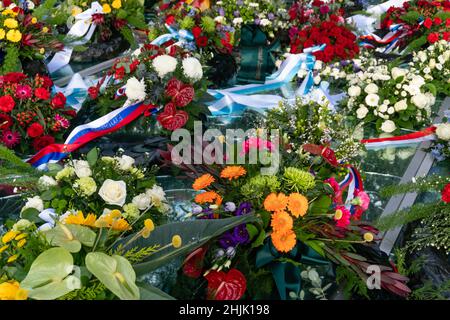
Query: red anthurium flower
point(171, 118)
point(193, 264)
point(226, 286)
point(182, 94)
point(5, 121)
point(446, 193)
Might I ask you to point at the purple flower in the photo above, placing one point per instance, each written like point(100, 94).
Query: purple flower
point(244, 208)
point(230, 206)
point(227, 240)
point(271, 16)
point(240, 234)
point(221, 12)
point(257, 21)
point(196, 209)
point(236, 13)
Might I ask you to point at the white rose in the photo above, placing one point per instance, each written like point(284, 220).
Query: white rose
point(422, 55)
point(398, 72)
point(237, 21)
point(361, 112)
point(420, 100)
point(443, 131)
point(164, 64)
point(400, 105)
point(388, 126)
point(432, 63)
point(383, 108)
point(46, 182)
point(354, 91)
point(82, 168)
point(135, 89)
point(157, 195)
point(35, 202)
point(431, 99)
point(371, 88)
point(417, 81)
point(192, 68)
point(125, 162)
point(390, 110)
point(372, 100)
point(142, 201)
point(113, 192)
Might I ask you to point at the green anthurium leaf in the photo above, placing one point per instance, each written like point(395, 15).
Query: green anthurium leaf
point(70, 237)
point(149, 292)
point(50, 275)
point(193, 234)
point(115, 272)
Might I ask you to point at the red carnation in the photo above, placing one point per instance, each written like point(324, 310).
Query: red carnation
point(47, 82)
point(433, 37)
point(120, 73)
point(7, 103)
point(226, 286)
point(428, 23)
point(42, 93)
point(437, 21)
point(446, 193)
point(196, 31)
point(42, 142)
point(58, 101)
point(93, 92)
point(202, 41)
point(14, 77)
point(35, 130)
point(170, 20)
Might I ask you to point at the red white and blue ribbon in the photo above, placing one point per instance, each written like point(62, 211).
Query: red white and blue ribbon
point(427, 134)
point(353, 182)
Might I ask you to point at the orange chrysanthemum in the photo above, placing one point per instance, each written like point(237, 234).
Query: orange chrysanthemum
point(203, 182)
point(281, 221)
point(297, 204)
point(284, 241)
point(208, 197)
point(233, 172)
point(275, 202)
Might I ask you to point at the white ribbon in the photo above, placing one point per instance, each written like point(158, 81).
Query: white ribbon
point(75, 91)
point(83, 27)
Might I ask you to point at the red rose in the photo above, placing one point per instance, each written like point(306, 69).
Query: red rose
point(58, 101)
point(7, 103)
point(42, 142)
point(446, 193)
point(193, 264)
point(433, 37)
point(134, 65)
point(5, 121)
point(93, 92)
point(437, 21)
point(202, 41)
point(14, 77)
point(196, 31)
point(35, 130)
point(42, 93)
point(120, 73)
point(226, 286)
point(170, 20)
point(446, 36)
point(428, 23)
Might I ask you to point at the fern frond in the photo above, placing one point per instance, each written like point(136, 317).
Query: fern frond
point(422, 184)
point(134, 255)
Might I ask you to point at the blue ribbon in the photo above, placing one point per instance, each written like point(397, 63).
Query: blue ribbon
point(180, 35)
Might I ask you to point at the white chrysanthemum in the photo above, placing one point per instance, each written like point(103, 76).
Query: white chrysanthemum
point(398, 72)
point(354, 91)
point(361, 112)
point(164, 64)
point(135, 89)
point(372, 100)
point(443, 131)
point(371, 88)
point(420, 100)
point(388, 126)
point(400, 105)
point(192, 68)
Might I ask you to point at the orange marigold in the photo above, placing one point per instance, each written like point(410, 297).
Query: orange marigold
point(233, 172)
point(281, 221)
point(276, 202)
point(284, 241)
point(297, 204)
point(208, 197)
point(203, 182)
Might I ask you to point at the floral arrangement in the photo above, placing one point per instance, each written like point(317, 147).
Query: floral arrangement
point(23, 36)
point(210, 36)
point(433, 64)
point(440, 148)
point(30, 116)
point(390, 97)
point(322, 23)
point(423, 21)
point(168, 83)
point(270, 16)
point(96, 184)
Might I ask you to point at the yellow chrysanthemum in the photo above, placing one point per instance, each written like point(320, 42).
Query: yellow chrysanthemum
point(275, 202)
point(106, 8)
point(2, 34)
point(116, 4)
point(11, 290)
point(233, 172)
point(176, 241)
point(281, 221)
point(10, 23)
point(10, 235)
point(297, 204)
point(284, 241)
point(14, 35)
point(203, 182)
point(79, 219)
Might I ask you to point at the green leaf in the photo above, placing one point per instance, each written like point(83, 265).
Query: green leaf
point(252, 231)
point(49, 276)
point(115, 272)
point(193, 234)
point(317, 246)
point(149, 292)
point(70, 237)
point(31, 214)
point(259, 240)
point(47, 195)
point(92, 157)
point(321, 205)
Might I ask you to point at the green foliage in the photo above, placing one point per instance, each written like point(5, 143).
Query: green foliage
point(187, 23)
point(351, 282)
point(429, 291)
point(127, 33)
point(95, 291)
point(135, 255)
point(11, 62)
point(411, 17)
point(421, 184)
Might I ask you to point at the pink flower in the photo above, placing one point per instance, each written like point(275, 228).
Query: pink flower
point(63, 122)
point(23, 92)
point(10, 139)
point(253, 143)
point(361, 199)
point(342, 217)
point(337, 190)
